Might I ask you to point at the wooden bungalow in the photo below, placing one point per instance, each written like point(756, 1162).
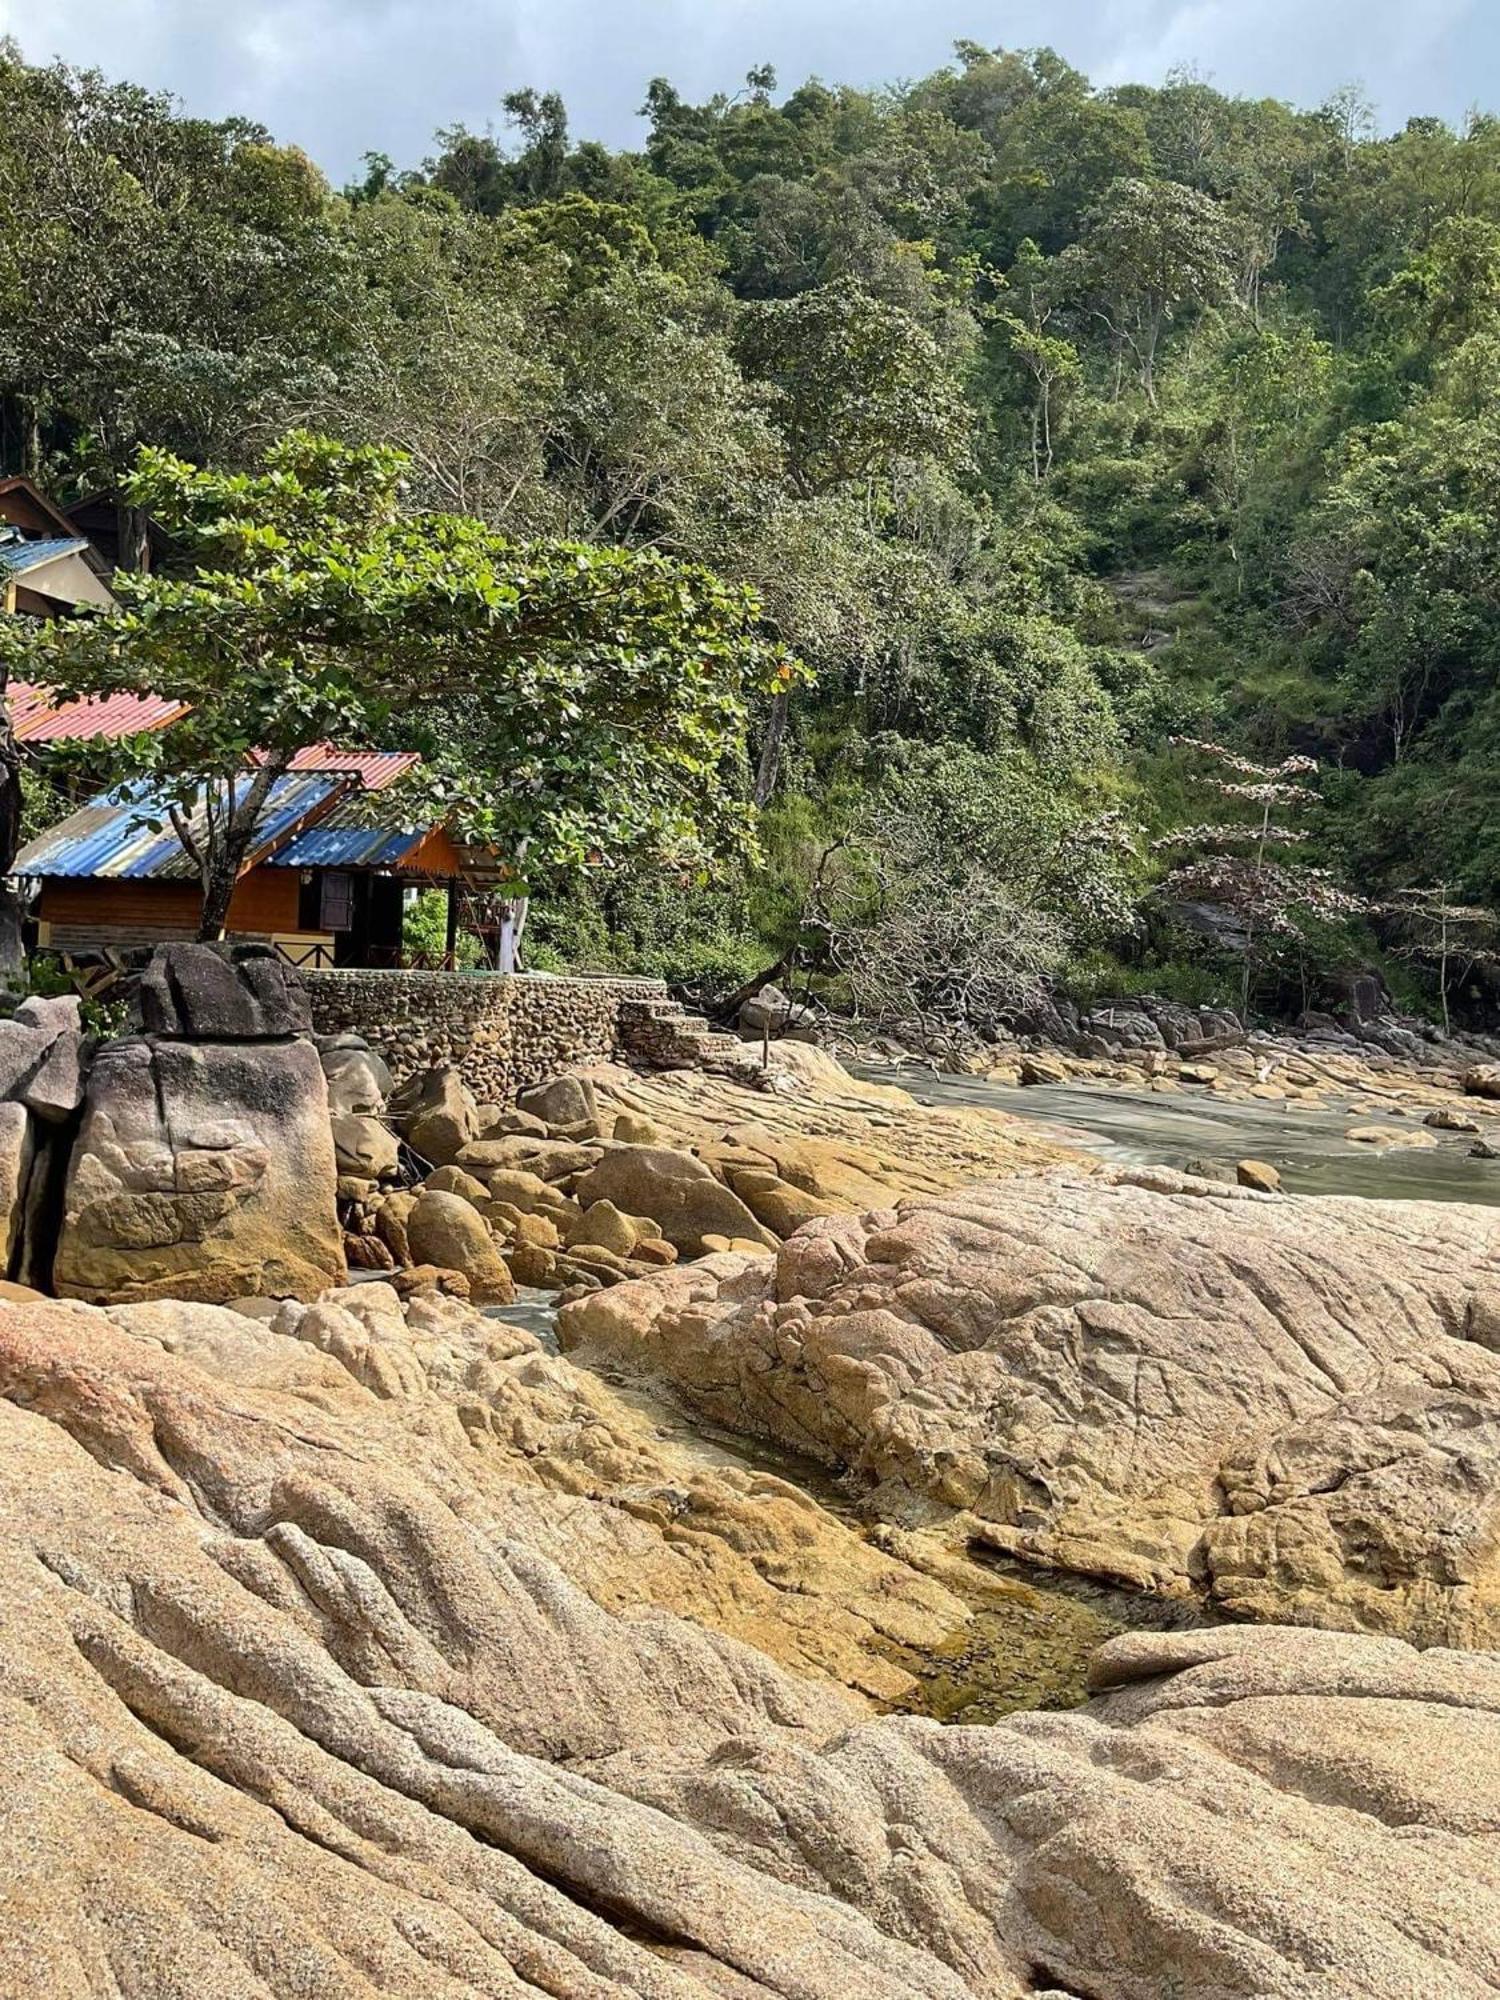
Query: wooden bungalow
point(47, 568)
point(327, 881)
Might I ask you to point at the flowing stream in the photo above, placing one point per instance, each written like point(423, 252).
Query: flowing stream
point(1305, 1143)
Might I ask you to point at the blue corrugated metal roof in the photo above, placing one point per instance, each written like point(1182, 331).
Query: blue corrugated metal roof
point(333, 846)
point(19, 556)
point(112, 835)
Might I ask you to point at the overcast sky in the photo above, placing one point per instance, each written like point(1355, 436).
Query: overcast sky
point(339, 77)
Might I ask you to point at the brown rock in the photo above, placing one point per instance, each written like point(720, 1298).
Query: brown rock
point(445, 1230)
point(435, 1114)
point(603, 1224)
point(563, 1103)
point(367, 1253)
point(391, 1218)
point(531, 1264)
point(630, 1129)
point(1447, 1119)
point(775, 1203)
point(1257, 1174)
point(653, 1250)
point(453, 1180)
point(674, 1188)
point(362, 1146)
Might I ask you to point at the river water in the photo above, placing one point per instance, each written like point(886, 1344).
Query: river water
point(1305, 1143)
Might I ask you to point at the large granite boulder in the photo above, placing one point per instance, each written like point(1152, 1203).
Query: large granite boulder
point(1289, 1405)
point(436, 1114)
point(216, 993)
point(201, 1171)
point(676, 1190)
point(449, 1232)
point(359, 1082)
point(347, 1656)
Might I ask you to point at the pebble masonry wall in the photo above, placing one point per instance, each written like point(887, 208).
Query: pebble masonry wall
point(500, 1032)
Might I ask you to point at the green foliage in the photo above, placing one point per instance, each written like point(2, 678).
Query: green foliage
point(424, 933)
point(1042, 421)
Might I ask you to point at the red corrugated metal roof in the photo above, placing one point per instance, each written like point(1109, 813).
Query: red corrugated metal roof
point(375, 768)
point(37, 716)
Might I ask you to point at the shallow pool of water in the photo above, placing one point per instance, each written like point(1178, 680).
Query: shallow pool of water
point(1305, 1144)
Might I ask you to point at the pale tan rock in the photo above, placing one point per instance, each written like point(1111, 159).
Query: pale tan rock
point(1258, 1174)
point(605, 1225)
point(676, 1189)
point(201, 1170)
point(363, 1146)
point(631, 1130)
point(1390, 1136)
point(453, 1180)
point(436, 1114)
point(1137, 1375)
point(327, 1671)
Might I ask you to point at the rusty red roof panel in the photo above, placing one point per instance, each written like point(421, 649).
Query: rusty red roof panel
point(37, 716)
point(375, 769)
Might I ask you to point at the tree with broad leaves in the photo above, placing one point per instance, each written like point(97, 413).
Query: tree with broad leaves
point(574, 705)
point(1150, 252)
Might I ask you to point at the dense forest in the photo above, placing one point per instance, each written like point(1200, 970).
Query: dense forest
point(1124, 466)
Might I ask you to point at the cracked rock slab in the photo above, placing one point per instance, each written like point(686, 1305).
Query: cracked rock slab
point(1289, 1404)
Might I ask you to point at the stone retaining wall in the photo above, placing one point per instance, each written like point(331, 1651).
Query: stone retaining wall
point(500, 1032)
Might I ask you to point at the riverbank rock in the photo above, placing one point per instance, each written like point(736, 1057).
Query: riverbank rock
point(446, 1230)
point(344, 1655)
point(1257, 1174)
point(1292, 1405)
point(676, 1190)
point(201, 1170)
point(436, 1115)
point(359, 1081)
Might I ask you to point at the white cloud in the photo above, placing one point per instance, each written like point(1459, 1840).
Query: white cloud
point(340, 76)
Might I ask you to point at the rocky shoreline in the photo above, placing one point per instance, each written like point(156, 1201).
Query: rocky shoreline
point(351, 1643)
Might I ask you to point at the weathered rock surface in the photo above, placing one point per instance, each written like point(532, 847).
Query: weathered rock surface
point(1291, 1404)
point(447, 1230)
point(212, 993)
point(201, 1170)
point(339, 1657)
point(436, 1114)
point(364, 1147)
point(359, 1081)
point(676, 1190)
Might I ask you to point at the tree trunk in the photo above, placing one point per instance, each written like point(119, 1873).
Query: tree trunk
point(12, 952)
point(770, 751)
point(218, 894)
point(132, 526)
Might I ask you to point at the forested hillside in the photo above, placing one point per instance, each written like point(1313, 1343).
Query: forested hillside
point(1049, 423)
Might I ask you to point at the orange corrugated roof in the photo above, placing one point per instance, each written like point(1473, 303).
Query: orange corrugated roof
point(37, 716)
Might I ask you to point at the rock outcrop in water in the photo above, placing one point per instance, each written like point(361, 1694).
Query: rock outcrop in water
point(340, 1657)
point(1290, 1405)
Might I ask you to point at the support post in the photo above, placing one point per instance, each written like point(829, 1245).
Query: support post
point(450, 941)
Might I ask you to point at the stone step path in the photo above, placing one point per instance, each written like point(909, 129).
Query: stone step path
point(663, 1034)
